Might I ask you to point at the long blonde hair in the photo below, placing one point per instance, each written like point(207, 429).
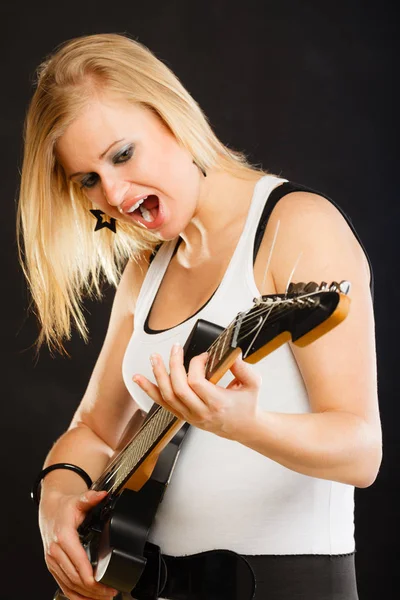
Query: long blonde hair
point(63, 260)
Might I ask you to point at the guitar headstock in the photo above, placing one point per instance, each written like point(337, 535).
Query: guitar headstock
point(303, 314)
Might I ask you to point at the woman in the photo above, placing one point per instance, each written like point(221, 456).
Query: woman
point(269, 468)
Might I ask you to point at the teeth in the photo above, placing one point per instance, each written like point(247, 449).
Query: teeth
point(146, 214)
point(135, 206)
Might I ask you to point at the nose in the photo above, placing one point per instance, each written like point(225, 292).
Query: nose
point(114, 190)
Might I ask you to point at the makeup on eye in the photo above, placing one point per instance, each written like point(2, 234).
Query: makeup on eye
point(126, 153)
point(128, 150)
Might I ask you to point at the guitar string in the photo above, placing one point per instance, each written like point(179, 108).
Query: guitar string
point(123, 460)
point(111, 472)
point(264, 306)
point(257, 333)
point(278, 308)
point(270, 252)
point(292, 273)
point(286, 293)
point(280, 304)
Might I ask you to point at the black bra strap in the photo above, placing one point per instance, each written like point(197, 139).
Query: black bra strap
point(153, 254)
point(283, 190)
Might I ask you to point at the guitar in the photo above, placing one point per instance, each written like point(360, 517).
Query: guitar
point(115, 532)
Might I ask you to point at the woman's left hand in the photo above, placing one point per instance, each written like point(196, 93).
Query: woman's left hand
point(227, 412)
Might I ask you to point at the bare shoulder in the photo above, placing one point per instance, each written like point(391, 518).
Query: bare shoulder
point(314, 237)
point(315, 243)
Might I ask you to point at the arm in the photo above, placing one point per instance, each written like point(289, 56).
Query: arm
point(106, 409)
point(341, 438)
point(106, 414)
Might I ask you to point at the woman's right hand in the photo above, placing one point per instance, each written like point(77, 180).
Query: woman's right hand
point(59, 518)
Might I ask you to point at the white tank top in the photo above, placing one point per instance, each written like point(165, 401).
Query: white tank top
point(223, 494)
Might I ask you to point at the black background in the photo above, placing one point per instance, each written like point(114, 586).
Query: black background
point(307, 89)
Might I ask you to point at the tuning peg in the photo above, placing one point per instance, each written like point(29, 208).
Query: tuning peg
point(323, 285)
point(295, 288)
point(311, 287)
point(344, 286)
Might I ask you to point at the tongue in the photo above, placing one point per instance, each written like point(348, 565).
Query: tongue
point(150, 202)
point(152, 205)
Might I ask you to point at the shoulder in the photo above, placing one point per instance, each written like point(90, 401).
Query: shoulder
point(313, 237)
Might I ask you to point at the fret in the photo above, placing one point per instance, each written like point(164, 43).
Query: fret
point(213, 354)
point(129, 459)
point(225, 340)
point(156, 426)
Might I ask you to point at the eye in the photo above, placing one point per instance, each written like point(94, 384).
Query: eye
point(125, 155)
point(90, 181)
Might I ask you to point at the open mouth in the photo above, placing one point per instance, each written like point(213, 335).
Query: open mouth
point(148, 213)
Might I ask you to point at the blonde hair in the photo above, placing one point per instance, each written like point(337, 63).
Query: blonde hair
point(63, 260)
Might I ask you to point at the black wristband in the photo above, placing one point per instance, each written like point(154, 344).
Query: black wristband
point(35, 491)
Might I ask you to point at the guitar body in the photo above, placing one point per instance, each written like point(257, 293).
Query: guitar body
point(117, 552)
point(116, 532)
point(117, 540)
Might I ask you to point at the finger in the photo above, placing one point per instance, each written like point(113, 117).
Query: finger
point(86, 501)
point(90, 499)
point(203, 388)
point(63, 583)
point(162, 377)
point(163, 393)
point(60, 562)
point(67, 592)
point(71, 594)
point(69, 543)
point(245, 374)
point(148, 387)
point(154, 393)
point(181, 384)
point(58, 574)
point(70, 577)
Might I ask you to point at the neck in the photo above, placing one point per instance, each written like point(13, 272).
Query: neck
point(223, 205)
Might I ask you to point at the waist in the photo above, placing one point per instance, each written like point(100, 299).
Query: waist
point(226, 575)
point(228, 496)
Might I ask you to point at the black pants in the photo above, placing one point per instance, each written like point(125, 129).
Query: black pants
point(224, 575)
point(319, 577)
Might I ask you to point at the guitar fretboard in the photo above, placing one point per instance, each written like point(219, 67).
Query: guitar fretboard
point(129, 459)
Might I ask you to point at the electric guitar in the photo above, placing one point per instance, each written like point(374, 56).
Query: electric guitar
point(115, 532)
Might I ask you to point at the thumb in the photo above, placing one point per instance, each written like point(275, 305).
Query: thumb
point(245, 374)
point(90, 499)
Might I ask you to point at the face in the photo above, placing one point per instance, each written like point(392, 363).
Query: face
point(119, 154)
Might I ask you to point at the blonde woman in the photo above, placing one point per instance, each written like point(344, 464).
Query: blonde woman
point(268, 469)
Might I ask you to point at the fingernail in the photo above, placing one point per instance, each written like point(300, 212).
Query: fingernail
point(175, 348)
point(136, 379)
point(153, 360)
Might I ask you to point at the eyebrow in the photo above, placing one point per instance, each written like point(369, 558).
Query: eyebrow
point(100, 157)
